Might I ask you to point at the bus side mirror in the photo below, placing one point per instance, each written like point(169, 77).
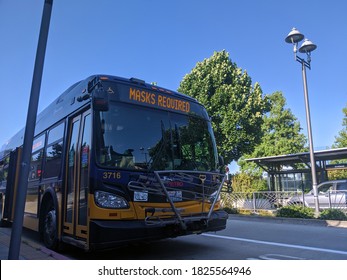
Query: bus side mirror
point(100, 100)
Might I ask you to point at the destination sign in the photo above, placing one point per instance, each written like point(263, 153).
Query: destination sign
point(157, 99)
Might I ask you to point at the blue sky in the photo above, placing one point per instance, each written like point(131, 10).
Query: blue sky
point(161, 41)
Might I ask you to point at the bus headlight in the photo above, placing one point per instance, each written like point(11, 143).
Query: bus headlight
point(110, 200)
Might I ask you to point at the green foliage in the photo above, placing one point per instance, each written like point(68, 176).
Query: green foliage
point(333, 214)
point(341, 139)
point(295, 211)
point(281, 129)
point(340, 142)
point(243, 182)
point(337, 174)
point(281, 134)
point(236, 107)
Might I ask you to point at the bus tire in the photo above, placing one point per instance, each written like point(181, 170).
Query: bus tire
point(50, 226)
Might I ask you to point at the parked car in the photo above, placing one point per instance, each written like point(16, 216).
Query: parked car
point(331, 194)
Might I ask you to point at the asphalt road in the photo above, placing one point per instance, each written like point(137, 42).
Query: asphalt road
point(196, 256)
point(243, 239)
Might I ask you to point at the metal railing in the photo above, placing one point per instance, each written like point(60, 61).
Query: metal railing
point(272, 200)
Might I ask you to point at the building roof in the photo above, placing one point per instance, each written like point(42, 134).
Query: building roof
point(324, 155)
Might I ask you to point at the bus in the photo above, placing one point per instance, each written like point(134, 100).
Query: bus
point(116, 161)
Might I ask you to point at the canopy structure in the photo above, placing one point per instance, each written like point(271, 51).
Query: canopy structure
point(283, 167)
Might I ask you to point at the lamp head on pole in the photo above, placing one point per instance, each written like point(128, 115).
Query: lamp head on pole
point(294, 36)
point(307, 47)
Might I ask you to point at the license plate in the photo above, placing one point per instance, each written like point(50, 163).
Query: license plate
point(175, 195)
point(140, 196)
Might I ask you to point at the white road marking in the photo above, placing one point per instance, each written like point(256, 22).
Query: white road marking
point(277, 244)
point(275, 257)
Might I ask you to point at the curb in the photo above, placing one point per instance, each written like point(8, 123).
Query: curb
point(29, 249)
point(53, 254)
point(280, 220)
point(43, 250)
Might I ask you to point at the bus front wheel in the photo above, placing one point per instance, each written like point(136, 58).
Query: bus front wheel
point(50, 231)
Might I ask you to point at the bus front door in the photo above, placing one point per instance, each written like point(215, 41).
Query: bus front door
point(77, 177)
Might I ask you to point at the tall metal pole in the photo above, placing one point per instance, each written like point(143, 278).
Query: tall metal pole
point(309, 130)
point(294, 37)
point(29, 134)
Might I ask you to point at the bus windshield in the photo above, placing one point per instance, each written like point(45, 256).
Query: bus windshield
point(141, 138)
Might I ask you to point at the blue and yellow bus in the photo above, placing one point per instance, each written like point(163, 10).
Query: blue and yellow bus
point(115, 161)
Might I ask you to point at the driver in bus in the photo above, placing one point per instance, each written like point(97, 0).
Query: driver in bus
point(127, 160)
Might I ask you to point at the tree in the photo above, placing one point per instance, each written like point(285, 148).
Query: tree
point(341, 139)
point(281, 134)
point(340, 142)
point(235, 106)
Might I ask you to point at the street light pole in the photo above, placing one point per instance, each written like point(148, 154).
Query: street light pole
point(307, 47)
point(17, 227)
point(309, 130)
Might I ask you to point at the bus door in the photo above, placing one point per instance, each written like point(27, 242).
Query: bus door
point(77, 176)
point(11, 166)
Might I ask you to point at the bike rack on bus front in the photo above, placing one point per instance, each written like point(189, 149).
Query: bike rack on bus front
point(192, 185)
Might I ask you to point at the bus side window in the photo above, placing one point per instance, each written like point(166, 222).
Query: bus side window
point(36, 158)
point(36, 166)
point(54, 152)
point(4, 164)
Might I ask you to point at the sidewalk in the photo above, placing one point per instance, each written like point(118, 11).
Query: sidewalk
point(29, 250)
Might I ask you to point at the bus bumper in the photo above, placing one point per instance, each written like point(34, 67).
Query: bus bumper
point(105, 234)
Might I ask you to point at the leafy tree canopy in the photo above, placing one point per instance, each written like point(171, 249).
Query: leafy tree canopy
point(236, 107)
point(340, 142)
point(341, 139)
point(281, 133)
